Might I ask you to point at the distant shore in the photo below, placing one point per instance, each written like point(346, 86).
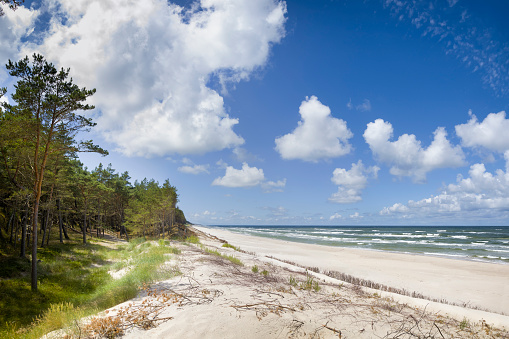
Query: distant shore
point(477, 285)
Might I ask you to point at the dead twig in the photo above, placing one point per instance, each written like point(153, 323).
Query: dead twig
point(333, 330)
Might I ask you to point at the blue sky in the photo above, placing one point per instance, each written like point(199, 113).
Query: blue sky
point(376, 112)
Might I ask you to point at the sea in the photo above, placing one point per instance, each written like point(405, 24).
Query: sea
point(477, 243)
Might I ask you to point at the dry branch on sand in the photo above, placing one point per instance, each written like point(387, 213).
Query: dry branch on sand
point(217, 298)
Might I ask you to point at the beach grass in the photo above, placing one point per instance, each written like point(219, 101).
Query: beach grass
point(227, 245)
point(74, 282)
point(230, 258)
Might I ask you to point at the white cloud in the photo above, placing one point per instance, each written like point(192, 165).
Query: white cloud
point(335, 216)
point(3, 99)
point(244, 177)
point(221, 164)
point(14, 25)
point(351, 182)
point(151, 62)
point(274, 186)
point(349, 104)
point(475, 43)
point(482, 194)
point(195, 169)
point(356, 215)
point(242, 155)
point(247, 177)
point(318, 135)
point(365, 106)
point(192, 168)
point(277, 212)
point(406, 155)
point(491, 133)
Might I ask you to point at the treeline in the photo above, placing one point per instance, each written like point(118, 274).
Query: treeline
point(44, 186)
point(76, 199)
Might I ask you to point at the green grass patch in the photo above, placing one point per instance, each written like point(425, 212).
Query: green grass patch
point(231, 246)
point(254, 269)
point(231, 258)
point(73, 282)
point(310, 284)
point(193, 239)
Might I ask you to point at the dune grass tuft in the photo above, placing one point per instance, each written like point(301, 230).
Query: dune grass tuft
point(231, 258)
point(74, 282)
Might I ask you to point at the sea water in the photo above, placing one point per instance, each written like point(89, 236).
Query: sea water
point(486, 243)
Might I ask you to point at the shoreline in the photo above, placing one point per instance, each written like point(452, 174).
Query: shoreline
point(224, 291)
point(474, 284)
point(302, 241)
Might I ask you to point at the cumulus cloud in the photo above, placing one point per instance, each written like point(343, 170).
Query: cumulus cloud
point(248, 177)
point(274, 186)
point(482, 194)
point(152, 63)
point(356, 215)
point(491, 133)
point(318, 135)
point(351, 182)
point(244, 177)
point(335, 216)
point(194, 169)
point(14, 26)
point(406, 155)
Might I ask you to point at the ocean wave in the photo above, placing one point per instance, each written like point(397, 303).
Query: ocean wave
point(460, 237)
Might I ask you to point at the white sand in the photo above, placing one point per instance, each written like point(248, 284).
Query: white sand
point(483, 285)
point(214, 298)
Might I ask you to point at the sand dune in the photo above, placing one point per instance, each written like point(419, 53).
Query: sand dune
point(254, 296)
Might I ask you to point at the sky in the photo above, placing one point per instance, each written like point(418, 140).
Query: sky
point(267, 112)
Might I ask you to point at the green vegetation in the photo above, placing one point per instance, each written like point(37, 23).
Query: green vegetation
point(75, 282)
point(310, 284)
point(255, 269)
point(193, 239)
point(231, 258)
point(227, 245)
point(42, 184)
point(464, 324)
point(265, 273)
point(52, 208)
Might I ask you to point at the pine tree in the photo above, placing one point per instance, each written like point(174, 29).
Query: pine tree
point(48, 99)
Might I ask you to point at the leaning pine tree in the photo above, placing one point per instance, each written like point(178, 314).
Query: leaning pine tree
point(49, 99)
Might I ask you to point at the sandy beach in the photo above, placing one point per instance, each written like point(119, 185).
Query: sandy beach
point(480, 285)
point(236, 286)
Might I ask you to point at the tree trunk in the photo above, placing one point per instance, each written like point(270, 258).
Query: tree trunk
point(60, 222)
point(34, 245)
point(45, 227)
point(85, 224)
point(18, 224)
point(24, 234)
point(65, 234)
point(11, 223)
point(50, 216)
